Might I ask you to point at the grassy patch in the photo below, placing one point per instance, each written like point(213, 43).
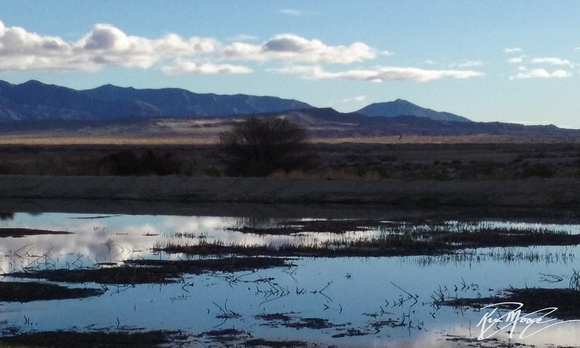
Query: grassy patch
point(290, 320)
point(91, 339)
point(392, 239)
point(33, 291)
point(260, 342)
point(505, 237)
point(21, 232)
point(330, 226)
point(567, 301)
point(151, 271)
point(396, 246)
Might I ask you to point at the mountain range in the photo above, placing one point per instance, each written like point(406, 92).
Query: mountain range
point(37, 106)
point(34, 100)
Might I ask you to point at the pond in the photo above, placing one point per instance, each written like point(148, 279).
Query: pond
point(370, 300)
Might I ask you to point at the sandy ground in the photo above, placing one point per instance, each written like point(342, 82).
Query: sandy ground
point(271, 196)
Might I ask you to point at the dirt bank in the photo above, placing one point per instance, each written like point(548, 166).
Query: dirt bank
point(525, 193)
point(560, 195)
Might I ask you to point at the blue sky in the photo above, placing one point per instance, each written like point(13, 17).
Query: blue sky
point(493, 60)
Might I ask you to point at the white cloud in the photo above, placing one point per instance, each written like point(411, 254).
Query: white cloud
point(103, 46)
point(465, 64)
point(357, 99)
point(471, 64)
point(181, 66)
point(552, 61)
point(106, 45)
point(243, 37)
point(512, 50)
point(378, 74)
point(539, 73)
point(516, 60)
point(295, 48)
point(291, 12)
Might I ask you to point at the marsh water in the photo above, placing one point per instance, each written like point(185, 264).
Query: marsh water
point(329, 301)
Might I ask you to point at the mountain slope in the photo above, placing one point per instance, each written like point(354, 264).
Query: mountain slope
point(34, 100)
point(401, 107)
point(177, 102)
point(328, 123)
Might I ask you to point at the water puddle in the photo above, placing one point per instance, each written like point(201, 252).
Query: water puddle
point(395, 301)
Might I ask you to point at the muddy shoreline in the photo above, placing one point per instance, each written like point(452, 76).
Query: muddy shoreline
point(542, 199)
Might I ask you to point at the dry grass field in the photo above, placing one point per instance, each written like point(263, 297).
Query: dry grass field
point(480, 171)
point(441, 160)
point(190, 148)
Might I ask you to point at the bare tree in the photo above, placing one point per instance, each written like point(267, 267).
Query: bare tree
point(259, 146)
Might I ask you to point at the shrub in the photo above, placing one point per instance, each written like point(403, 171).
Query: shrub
point(5, 168)
point(539, 170)
point(167, 164)
point(212, 172)
point(122, 163)
point(260, 146)
point(126, 162)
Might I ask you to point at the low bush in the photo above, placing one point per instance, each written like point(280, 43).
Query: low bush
point(127, 162)
point(539, 170)
point(260, 146)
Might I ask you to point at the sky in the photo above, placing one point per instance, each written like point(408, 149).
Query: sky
point(494, 60)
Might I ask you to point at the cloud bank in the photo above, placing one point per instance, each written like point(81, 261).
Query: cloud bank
point(523, 72)
point(378, 74)
point(539, 73)
point(103, 46)
point(182, 66)
point(295, 48)
point(106, 46)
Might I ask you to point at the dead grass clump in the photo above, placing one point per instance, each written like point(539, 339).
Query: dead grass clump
point(6, 168)
point(230, 264)
point(393, 245)
point(566, 301)
point(33, 291)
point(292, 227)
point(385, 239)
point(291, 320)
point(151, 271)
point(260, 342)
point(538, 170)
point(108, 275)
point(491, 237)
point(92, 339)
point(21, 232)
point(226, 337)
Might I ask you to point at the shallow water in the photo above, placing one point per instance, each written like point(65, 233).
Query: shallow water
point(371, 301)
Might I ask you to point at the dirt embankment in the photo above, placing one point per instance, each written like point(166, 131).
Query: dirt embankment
point(530, 193)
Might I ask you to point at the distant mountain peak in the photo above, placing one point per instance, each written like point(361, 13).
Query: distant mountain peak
point(401, 107)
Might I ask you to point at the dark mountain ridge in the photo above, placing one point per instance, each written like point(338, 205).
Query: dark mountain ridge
point(35, 100)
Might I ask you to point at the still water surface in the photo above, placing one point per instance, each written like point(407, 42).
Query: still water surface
point(370, 301)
